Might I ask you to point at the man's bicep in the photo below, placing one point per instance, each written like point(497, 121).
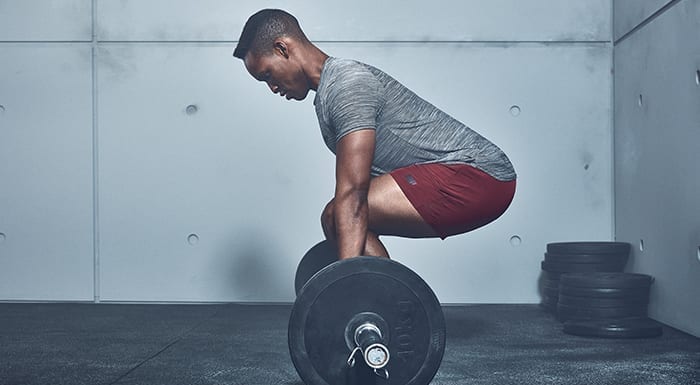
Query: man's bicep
point(354, 155)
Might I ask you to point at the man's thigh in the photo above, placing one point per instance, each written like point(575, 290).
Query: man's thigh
point(391, 213)
point(431, 200)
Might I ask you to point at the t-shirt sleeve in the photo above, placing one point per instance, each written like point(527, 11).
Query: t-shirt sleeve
point(354, 102)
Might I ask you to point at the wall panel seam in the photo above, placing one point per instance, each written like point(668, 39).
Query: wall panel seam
point(613, 196)
point(646, 21)
point(44, 41)
point(95, 165)
point(494, 42)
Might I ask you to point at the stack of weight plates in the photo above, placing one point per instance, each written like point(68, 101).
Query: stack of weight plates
point(612, 305)
point(579, 257)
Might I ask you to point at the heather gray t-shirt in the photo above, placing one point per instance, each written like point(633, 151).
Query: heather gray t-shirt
point(353, 96)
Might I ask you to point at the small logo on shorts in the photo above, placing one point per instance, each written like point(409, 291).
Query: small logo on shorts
point(411, 180)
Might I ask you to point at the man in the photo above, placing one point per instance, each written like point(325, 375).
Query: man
point(403, 167)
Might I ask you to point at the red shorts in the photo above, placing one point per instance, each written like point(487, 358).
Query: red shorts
point(454, 198)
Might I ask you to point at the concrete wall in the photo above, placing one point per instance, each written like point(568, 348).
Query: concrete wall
point(657, 131)
point(46, 151)
point(140, 162)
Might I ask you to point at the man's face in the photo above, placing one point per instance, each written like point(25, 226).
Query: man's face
point(281, 73)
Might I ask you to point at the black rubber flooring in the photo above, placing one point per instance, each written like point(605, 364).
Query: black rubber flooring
point(247, 344)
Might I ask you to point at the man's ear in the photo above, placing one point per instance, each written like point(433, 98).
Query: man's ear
point(282, 48)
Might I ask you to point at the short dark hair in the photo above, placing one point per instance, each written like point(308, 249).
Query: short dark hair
point(263, 28)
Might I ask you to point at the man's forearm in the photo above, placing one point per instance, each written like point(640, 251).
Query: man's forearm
point(351, 217)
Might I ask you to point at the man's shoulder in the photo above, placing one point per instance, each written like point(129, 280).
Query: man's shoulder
point(343, 77)
point(343, 63)
point(349, 68)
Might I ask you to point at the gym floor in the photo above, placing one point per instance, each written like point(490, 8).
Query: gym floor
point(61, 343)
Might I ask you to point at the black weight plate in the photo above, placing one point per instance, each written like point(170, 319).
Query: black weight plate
point(321, 255)
point(601, 302)
point(618, 259)
point(634, 293)
point(548, 307)
point(580, 267)
point(588, 248)
point(551, 276)
point(572, 312)
point(551, 293)
point(550, 284)
point(605, 280)
point(550, 298)
point(324, 306)
point(549, 303)
point(641, 327)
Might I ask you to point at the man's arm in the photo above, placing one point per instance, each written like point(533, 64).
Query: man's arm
point(354, 155)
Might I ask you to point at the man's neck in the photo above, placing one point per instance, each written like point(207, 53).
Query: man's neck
point(313, 66)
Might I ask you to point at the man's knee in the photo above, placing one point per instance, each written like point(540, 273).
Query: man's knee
point(328, 220)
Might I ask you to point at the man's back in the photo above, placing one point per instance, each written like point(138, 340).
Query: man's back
point(353, 96)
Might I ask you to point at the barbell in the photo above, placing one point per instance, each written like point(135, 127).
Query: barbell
point(363, 320)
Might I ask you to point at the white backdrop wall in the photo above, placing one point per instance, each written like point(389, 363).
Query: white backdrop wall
point(657, 129)
point(140, 162)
